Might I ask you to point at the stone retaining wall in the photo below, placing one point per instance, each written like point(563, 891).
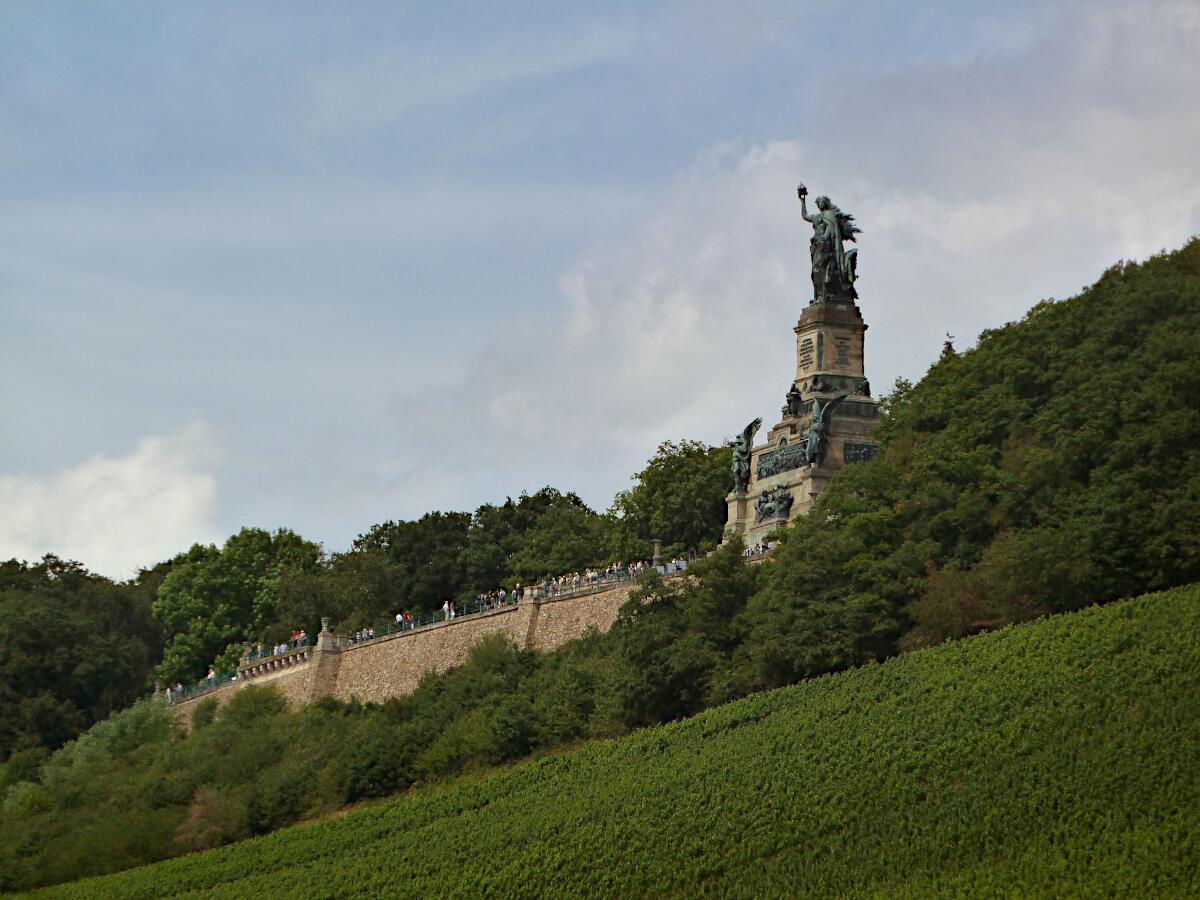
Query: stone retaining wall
point(392, 665)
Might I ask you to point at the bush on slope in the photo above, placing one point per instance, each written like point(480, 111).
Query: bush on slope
point(1056, 463)
point(1055, 757)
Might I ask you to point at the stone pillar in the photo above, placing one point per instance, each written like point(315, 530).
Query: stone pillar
point(245, 662)
point(657, 558)
point(739, 512)
point(326, 660)
point(526, 625)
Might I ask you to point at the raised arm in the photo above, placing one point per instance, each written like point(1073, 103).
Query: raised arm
point(802, 193)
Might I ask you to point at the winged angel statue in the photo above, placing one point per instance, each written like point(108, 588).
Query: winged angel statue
point(742, 445)
point(834, 266)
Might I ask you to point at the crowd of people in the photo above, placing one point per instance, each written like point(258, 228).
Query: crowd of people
point(298, 639)
point(758, 549)
point(499, 598)
point(591, 578)
point(588, 579)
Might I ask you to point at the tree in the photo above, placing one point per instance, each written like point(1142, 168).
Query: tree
point(426, 556)
point(213, 600)
point(74, 647)
point(679, 497)
point(675, 639)
point(567, 536)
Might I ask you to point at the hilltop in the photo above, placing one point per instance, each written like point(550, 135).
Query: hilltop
point(1055, 464)
point(1052, 757)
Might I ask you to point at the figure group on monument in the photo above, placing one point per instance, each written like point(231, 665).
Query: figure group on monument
point(834, 265)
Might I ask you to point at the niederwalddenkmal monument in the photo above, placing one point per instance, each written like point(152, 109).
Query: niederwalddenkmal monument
point(828, 418)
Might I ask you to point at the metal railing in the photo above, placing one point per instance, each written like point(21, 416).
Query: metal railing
point(471, 607)
point(204, 686)
point(546, 590)
point(270, 652)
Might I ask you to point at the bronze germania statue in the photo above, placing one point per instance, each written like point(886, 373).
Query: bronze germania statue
point(834, 266)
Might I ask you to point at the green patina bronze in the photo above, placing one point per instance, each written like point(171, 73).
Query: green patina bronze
point(774, 504)
point(784, 457)
point(834, 265)
point(742, 445)
point(818, 429)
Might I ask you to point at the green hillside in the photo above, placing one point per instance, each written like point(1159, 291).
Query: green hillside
point(1056, 757)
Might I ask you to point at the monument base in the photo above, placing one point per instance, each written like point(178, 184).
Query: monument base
point(828, 405)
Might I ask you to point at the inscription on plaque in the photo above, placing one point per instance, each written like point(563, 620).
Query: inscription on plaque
point(784, 457)
point(853, 453)
point(806, 352)
point(843, 353)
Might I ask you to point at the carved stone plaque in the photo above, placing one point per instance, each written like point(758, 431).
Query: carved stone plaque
point(852, 453)
point(785, 456)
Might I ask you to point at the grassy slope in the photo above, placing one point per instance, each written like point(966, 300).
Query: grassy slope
point(1055, 757)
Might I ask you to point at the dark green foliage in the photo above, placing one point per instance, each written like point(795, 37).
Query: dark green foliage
point(1072, 439)
point(424, 555)
point(547, 532)
point(679, 497)
point(567, 537)
point(1056, 463)
point(74, 647)
point(213, 600)
point(675, 639)
point(1057, 758)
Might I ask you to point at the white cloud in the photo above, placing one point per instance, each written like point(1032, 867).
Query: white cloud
point(116, 514)
point(981, 188)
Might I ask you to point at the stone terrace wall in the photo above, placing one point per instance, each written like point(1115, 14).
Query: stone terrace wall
point(392, 665)
point(560, 620)
point(294, 682)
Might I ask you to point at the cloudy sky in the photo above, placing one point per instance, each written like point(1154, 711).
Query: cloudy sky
point(320, 265)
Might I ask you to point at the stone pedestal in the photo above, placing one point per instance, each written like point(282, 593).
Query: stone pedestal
point(829, 364)
point(830, 340)
point(738, 506)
